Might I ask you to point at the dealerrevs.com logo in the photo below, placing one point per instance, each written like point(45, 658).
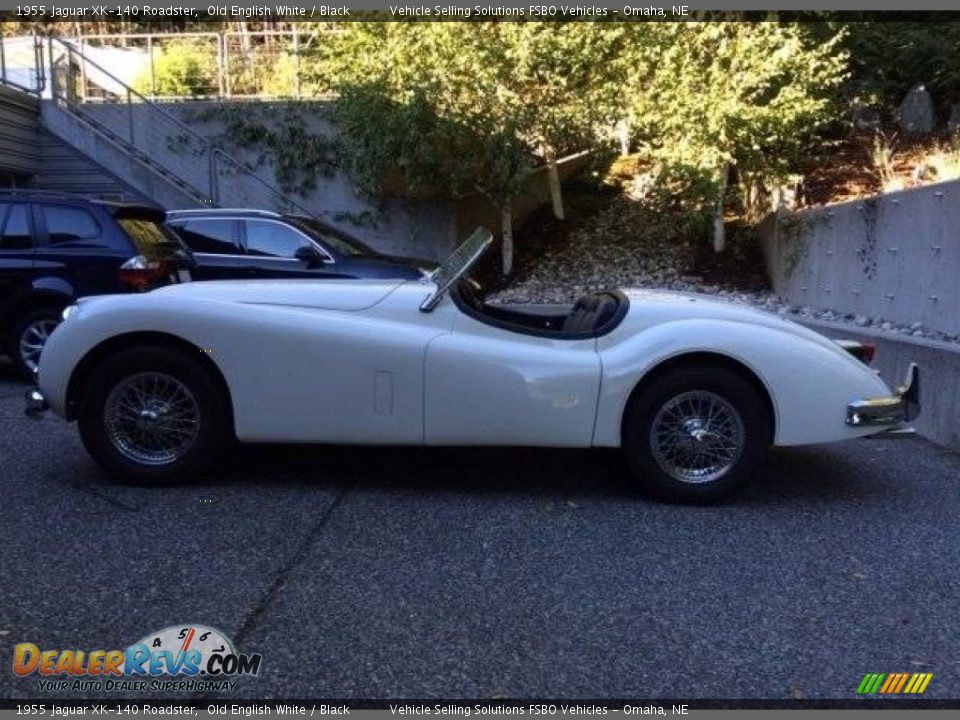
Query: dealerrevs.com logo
point(178, 658)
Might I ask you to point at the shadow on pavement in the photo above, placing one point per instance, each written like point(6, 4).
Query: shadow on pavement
point(790, 474)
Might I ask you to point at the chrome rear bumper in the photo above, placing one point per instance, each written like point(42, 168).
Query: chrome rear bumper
point(36, 404)
point(902, 406)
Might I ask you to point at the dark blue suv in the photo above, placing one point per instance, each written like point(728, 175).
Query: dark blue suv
point(237, 244)
point(55, 248)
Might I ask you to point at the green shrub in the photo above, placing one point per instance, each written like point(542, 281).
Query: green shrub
point(183, 68)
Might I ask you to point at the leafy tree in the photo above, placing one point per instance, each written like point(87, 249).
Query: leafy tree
point(711, 97)
point(450, 99)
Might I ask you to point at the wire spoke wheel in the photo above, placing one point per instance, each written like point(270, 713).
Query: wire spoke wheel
point(697, 437)
point(32, 340)
point(152, 418)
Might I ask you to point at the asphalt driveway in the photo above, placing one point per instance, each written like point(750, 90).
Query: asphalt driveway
point(484, 573)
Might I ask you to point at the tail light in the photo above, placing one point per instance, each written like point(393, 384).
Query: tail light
point(862, 351)
point(142, 274)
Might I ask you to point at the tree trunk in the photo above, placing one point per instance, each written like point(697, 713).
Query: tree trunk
point(553, 179)
point(623, 135)
point(719, 234)
point(506, 230)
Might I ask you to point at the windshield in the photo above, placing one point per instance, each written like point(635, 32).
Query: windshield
point(457, 264)
point(339, 242)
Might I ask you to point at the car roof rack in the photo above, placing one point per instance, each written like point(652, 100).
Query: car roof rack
point(252, 212)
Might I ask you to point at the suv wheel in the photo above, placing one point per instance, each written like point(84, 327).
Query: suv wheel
point(29, 335)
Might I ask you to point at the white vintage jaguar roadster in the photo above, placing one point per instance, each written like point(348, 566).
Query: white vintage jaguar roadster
point(692, 389)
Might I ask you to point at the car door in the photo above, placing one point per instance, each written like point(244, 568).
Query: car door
point(272, 246)
point(490, 386)
point(16, 250)
point(75, 253)
point(215, 243)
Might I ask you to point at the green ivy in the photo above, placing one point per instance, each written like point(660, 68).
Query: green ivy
point(298, 156)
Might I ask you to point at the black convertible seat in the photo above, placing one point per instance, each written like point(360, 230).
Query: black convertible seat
point(592, 313)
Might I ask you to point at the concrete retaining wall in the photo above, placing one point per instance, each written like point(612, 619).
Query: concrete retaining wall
point(895, 256)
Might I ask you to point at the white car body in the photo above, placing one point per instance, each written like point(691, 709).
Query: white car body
point(359, 361)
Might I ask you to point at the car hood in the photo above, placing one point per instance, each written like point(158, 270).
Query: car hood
point(654, 307)
point(319, 294)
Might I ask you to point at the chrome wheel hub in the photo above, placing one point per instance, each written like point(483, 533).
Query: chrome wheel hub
point(152, 418)
point(34, 337)
point(697, 437)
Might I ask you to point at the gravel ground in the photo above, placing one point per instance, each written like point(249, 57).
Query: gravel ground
point(622, 247)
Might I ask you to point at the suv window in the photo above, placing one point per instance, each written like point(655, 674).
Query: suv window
point(151, 239)
point(16, 229)
point(69, 224)
point(273, 239)
point(338, 241)
point(213, 237)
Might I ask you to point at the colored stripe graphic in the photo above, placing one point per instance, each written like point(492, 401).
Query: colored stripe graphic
point(870, 683)
point(891, 680)
point(918, 683)
point(894, 683)
point(903, 681)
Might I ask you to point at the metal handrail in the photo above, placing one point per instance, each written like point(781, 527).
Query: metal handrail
point(39, 74)
point(207, 147)
point(219, 152)
point(130, 91)
point(295, 42)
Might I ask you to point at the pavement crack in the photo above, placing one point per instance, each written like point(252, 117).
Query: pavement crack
point(100, 494)
point(252, 620)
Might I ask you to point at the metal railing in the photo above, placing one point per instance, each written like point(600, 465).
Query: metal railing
point(157, 139)
point(198, 66)
point(22, 63)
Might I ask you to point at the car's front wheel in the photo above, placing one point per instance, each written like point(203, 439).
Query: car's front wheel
point(696, 434)
point(153, 415)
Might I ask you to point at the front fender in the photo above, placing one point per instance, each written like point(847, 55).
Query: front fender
point(809, 380)
point(93, 322)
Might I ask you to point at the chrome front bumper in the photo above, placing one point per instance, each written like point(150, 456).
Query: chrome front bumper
point(903, 406)
point(36, 404)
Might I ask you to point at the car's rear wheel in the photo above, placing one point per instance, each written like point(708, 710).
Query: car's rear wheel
point(28, 337)
point(153, 415)
point(696, 434)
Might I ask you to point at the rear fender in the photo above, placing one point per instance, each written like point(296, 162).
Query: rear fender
point(809, 383)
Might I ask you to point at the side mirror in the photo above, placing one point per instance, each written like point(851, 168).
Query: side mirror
point(309, 255)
